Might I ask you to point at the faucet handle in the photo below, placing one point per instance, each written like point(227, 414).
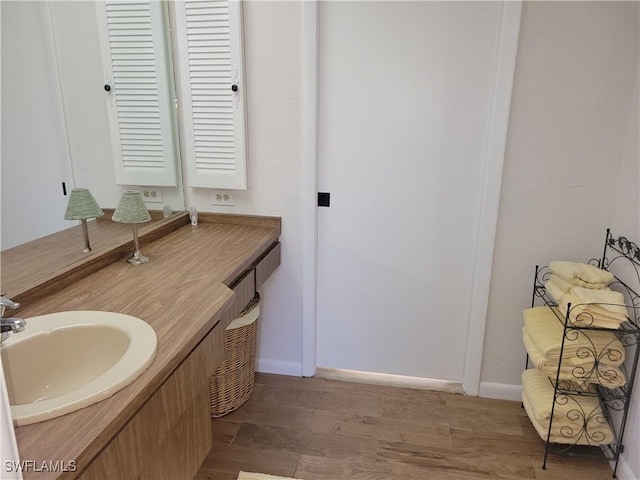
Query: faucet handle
point(7, 303)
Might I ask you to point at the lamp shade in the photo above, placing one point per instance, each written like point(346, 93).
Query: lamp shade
point(131, 208)
point(82, 205)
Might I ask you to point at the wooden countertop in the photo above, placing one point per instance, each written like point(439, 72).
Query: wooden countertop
point(181, 293)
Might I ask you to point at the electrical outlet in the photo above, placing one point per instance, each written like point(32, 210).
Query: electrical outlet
point(223, 197)
point(151, 195)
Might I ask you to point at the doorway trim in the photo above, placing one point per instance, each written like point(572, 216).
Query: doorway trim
point(309, 186)
point(490, 196)
point(489, 206)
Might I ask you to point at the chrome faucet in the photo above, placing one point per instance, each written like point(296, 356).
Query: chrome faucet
point(12, 324)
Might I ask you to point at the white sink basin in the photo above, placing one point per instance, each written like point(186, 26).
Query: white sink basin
point(65, 361)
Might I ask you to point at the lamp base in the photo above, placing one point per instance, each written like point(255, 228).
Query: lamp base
point(85, 234)
point(137, 258)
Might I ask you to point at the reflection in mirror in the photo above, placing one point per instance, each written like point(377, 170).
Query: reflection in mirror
point(28, 266)
point(35, 159)
point(55, 130)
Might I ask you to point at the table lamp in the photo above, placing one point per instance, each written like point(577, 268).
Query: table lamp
point(131, 209)
point(82, 206)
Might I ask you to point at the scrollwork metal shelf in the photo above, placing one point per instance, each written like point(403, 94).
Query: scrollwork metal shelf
point(621, 257)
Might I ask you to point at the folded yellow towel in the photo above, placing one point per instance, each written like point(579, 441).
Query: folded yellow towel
point(581, 274)
point(576, 419)
point(569, 433)
point(583, 374)
point(557, 287)
point(606, 299)
point(595, 307)
point(580, 346)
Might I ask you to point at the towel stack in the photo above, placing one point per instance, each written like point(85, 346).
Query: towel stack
point(588, 356)
point(584, 286)
point(578, 357)
point(577, 419)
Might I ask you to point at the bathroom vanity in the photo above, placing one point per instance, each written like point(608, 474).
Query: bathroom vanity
point(199, 278)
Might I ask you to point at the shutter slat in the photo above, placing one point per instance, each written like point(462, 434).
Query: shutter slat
point(204, 129)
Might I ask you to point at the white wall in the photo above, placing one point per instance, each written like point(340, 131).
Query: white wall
point(575, 73)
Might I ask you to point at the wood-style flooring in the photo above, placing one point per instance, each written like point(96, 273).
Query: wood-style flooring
point(315, 429)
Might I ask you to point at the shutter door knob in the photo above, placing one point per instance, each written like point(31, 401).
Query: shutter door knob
point(234, 87)
point(107, 87)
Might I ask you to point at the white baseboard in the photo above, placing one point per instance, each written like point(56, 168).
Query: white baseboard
point(266, 365)
point(502, 391)
point(389, 380)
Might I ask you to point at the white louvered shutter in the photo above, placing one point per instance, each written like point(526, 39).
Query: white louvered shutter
point(208, 35)
point(139, 100)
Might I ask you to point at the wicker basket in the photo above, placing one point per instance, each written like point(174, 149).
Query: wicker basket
point(234, 379)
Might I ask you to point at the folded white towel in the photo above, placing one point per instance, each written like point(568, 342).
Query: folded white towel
point(581, 274)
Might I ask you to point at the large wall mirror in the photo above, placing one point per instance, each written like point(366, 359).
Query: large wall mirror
point(55, 126)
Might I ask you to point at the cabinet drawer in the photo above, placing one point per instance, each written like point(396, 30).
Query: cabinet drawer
point(267, 265)
point(244, 290)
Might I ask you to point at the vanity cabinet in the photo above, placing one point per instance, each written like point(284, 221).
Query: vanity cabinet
point(159, 427)
point(171, 435)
